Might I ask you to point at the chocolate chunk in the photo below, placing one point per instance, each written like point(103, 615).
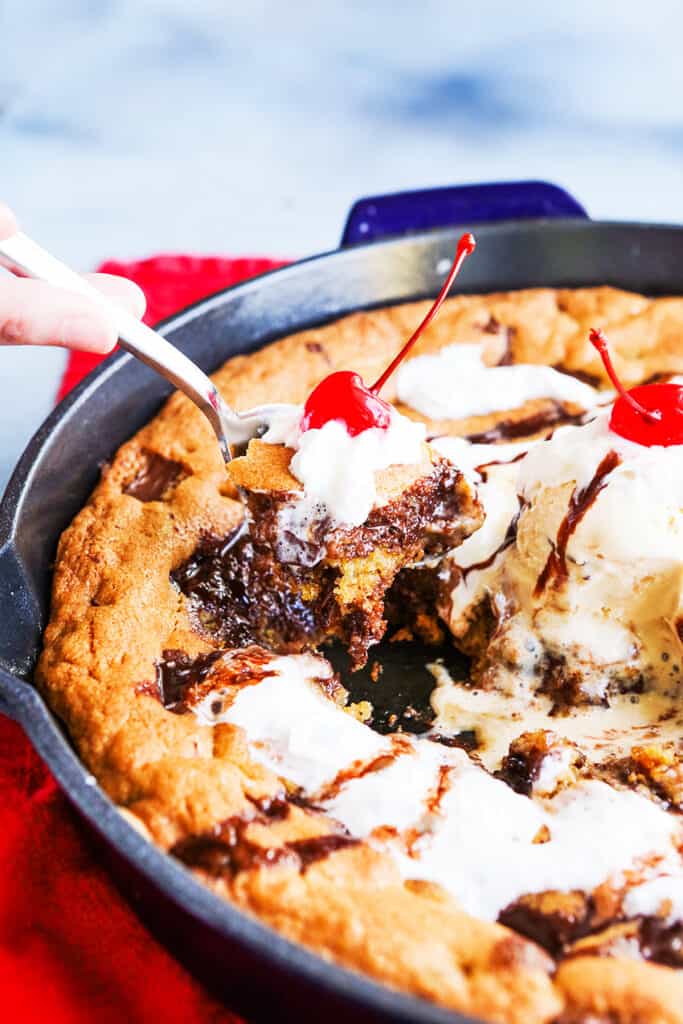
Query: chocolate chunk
point(156, 478)
point(521, 766)
point(308, 851)
point(227, 849)
point(177, 673)
point(180, 677)
point(661, 941)
point(466, 740)
point(552, 919)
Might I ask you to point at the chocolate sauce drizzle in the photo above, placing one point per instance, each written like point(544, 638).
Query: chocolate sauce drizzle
point(556, 414)
point(484, 466)
point(555, 569)
point(507, 541)
point(416, 836)
point(584, 376)
point(441, 787)
point(399, 746)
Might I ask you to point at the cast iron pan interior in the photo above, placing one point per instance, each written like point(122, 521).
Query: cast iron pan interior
point(253, 968)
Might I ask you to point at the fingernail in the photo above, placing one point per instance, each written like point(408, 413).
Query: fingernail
point(87, 333)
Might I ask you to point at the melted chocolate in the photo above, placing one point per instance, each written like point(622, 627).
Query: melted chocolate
point(556, 414)
point(180, 677)
point(177, 673)
point(308, 851)
point(156, 478)
point(318, 349)
point(521, 765)
point(519, 771)
point(555, 569)
point(553, 920)
point(427, 516)
point(241, 595)
point(227, 850)
point(465, 740)
point(660, 378)
point(662, 942)
point(557, 920)
point(648, 770)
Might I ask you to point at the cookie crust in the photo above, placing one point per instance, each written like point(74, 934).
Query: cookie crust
point(115, 611)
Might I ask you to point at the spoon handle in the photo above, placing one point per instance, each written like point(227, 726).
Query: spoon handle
point(19, 252)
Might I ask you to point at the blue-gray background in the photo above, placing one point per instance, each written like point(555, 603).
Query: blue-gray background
point(133, 126)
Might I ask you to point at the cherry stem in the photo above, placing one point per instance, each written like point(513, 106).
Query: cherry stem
point(599, 341)
point(466, 247)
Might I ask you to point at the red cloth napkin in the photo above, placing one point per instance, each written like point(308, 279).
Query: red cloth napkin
point(71, 950)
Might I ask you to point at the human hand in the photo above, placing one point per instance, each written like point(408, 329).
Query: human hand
point(35, 313)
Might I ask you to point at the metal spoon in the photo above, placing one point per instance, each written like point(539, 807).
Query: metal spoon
point(18, 252)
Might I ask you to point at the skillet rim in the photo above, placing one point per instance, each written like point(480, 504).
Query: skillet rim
point(22, 701)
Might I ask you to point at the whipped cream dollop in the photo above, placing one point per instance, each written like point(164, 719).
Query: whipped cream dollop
point(442, 817)
point(338, 470)
point(456, 382)
point(615, 614)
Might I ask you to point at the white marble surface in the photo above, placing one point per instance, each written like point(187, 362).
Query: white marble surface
point(128, 127)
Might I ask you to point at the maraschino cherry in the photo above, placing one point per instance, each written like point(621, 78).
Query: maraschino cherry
point(344, 396)
point(650, 414)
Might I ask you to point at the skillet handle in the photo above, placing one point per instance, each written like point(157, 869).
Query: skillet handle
point(403, 213)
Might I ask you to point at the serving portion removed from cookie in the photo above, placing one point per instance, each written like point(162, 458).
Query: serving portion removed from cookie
point(531, 872)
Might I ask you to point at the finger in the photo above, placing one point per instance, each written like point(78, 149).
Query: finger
point(35, 313)
point(119, 289)
point(8, 224)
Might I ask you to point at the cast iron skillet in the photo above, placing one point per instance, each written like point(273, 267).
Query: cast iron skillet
point(529, 234)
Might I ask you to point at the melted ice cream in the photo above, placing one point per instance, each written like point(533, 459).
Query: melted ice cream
point(443, 818)
point(455, 382)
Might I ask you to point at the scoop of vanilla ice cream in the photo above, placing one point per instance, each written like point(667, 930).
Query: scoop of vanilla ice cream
point(605, 613)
